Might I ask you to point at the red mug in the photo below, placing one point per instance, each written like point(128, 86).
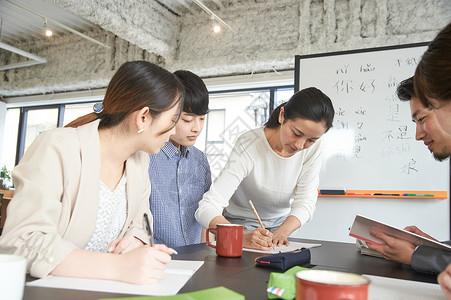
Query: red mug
point(330, 285)
point(229, 239)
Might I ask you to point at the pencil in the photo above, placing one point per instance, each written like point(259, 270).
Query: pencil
point(256, 214)
point(259, 220)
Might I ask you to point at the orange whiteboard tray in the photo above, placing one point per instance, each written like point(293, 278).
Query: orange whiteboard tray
point(391, 194)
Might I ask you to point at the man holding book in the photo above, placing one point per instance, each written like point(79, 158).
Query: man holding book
point(438, 141)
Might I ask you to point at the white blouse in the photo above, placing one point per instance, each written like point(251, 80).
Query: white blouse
point(111, 216)
point(278, 186)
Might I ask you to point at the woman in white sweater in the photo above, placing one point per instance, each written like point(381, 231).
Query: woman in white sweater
point(82, 191)
point(277, 167)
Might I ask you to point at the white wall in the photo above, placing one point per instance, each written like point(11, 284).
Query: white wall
point(334, 215)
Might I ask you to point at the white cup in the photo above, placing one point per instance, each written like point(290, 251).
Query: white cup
point(12, 276)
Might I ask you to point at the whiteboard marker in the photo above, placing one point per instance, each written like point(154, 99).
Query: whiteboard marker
point(363, 194)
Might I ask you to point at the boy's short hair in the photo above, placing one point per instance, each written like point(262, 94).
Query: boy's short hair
point(405, 90)
point(196, 93)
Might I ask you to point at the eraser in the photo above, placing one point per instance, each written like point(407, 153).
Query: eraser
point(334, 191)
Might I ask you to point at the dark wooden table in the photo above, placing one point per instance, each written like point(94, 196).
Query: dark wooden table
point(7, 196)
point(240, 274)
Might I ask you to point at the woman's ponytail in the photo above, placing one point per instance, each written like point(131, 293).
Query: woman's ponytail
point(273, 121)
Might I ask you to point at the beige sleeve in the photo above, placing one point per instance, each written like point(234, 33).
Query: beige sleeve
point(33, 216)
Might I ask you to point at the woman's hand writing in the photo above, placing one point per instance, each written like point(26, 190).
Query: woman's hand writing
point(144, 265)
point(258, 239)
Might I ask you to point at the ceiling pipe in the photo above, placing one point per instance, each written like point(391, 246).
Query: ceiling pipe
point(35, 60)
point(212, 14)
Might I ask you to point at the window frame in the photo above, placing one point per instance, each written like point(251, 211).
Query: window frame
point(272, 92)
point(23, 118)
point(61, 110)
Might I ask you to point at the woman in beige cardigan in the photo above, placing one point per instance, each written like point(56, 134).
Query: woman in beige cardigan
point(81, 191)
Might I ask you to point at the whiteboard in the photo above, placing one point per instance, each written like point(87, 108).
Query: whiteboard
point(372, 143)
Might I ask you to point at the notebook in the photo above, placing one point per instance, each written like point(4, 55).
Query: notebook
point(293, 247)
point(178, 272)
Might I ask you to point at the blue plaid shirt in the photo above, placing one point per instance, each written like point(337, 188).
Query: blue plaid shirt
point(179, 181)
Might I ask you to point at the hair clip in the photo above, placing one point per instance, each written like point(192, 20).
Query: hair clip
point(97, 107)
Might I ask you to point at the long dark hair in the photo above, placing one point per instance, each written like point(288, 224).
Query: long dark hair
point(309, 103)
point(135, 85)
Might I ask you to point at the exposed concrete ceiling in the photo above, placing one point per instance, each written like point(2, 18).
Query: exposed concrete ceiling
point(126, 29)
point(143, 23)
point(176, 34)
point(21, 20)
point(151, 25)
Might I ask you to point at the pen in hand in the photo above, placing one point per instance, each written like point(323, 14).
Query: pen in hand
point(148, 229)
point(259, 220)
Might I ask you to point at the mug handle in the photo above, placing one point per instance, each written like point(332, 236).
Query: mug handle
point(208, 237)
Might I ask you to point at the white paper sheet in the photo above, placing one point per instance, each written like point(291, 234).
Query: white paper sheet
point(293, 246)
point(383, 288)
point(178, 272)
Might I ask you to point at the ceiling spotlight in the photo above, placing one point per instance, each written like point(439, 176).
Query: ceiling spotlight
point(213, 16)
point(47, 31)
point(215, 25)
point(216, 28)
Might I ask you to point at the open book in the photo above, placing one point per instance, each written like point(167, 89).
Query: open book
point(363, 248)
point(361, 230)
point(177, 273)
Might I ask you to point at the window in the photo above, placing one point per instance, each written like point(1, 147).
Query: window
point(214, 141)
point(10, 138)
point(282, 95)
point(73, 111)
point(23, 125)
point(231, 114)
point(215, 126)
point(37, 121)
